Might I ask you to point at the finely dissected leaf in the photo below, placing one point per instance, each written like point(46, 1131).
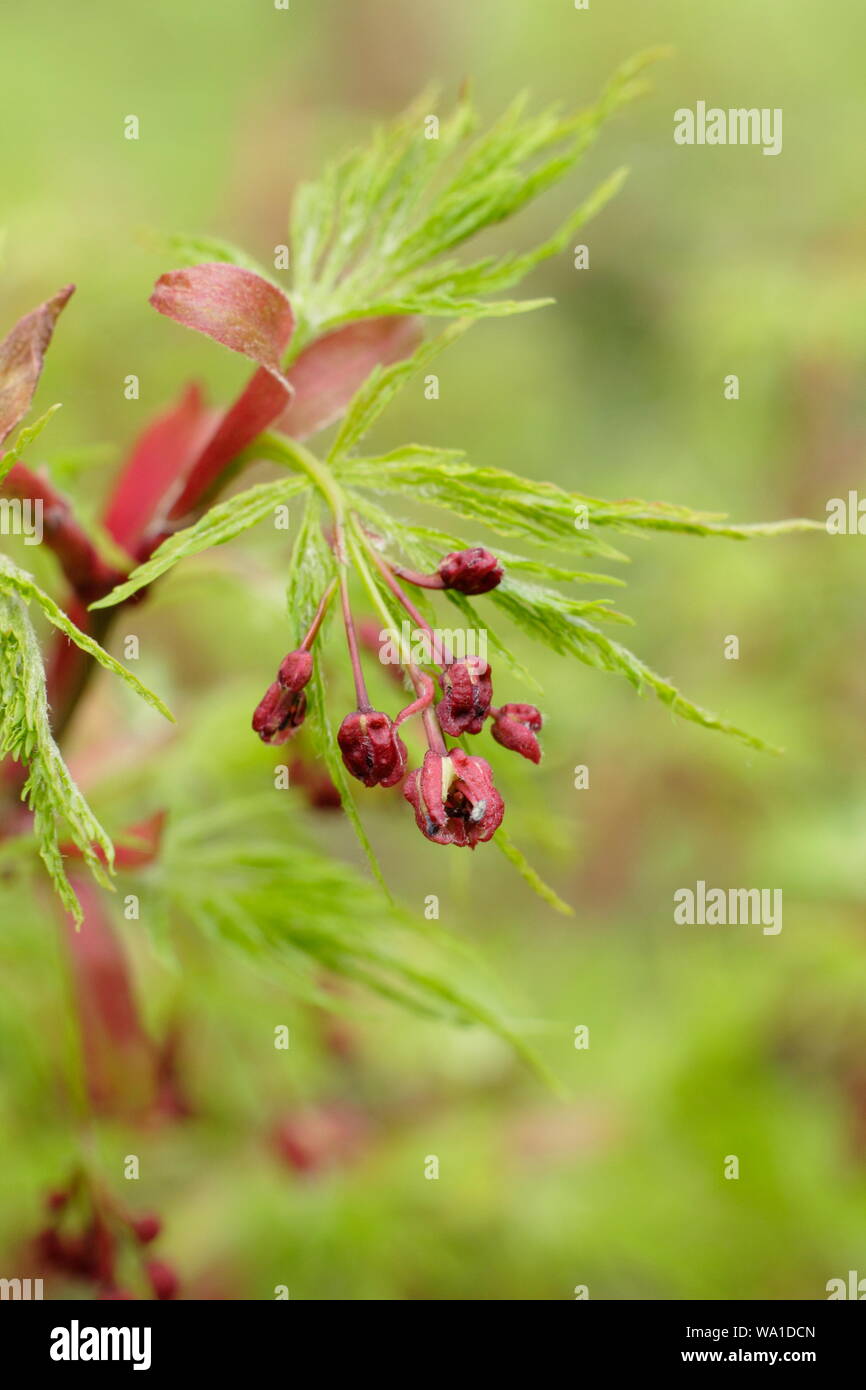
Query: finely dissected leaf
point(229, 870)
point(11, 577)
point(311, 569)
point(633, 516)
point(372, 236)
point(578, 637)
point(548, 616)
point(451, 288)
point(511, 505)
point(25, 735)
point(365, 199)
point(222, 523)
point(24, 438)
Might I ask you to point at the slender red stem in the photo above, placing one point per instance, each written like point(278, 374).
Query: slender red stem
point(424, 689)
point(403, 598)
point(422, 581)
point(434, 733)
point(319, 618)
point(348, 622)
point(83, 566)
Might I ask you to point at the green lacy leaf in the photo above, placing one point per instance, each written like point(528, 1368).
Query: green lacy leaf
point(24, 438)
point(374, 235)
point(11, 577)
point(220, 524)
point(242, 879)
point(25, 735)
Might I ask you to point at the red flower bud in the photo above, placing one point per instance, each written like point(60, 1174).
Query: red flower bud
point(295, 670)
point(279, 713)
point(467, 692)
point(146, 1228)
point(283, 707)
point(372, 749)
point(454, 799)
point(474, 571)
point(163, 1280)
point(515, 726)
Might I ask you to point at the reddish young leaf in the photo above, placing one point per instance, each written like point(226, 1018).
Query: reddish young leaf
point(251, 316)
point(160, 460)
point(232, 305)
point(258, 405)
point(21, 356)
point(119, 1057)
point(328, 372)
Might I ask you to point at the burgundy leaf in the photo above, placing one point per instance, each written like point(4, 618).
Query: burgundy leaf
point(21, 356)
point(263, 399)
point(159, 462)
point(119, 1057)
point(328, 372)
point(232, 305)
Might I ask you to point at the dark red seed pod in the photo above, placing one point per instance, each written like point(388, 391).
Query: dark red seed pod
point(162, 1279)
point(454, 799)
point(515, 727)
point(146, 1228)
point(372, 749)
point(467, 689)
point(474, 571)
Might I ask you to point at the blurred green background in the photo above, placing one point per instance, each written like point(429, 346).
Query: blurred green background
point(704, 1042)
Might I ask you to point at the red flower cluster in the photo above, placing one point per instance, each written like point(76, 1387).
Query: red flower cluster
point(178, 467)
point(85, 1235)
point(452, 794)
